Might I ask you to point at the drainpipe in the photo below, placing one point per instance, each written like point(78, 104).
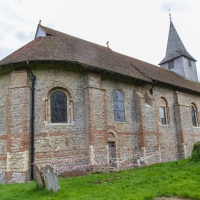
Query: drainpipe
point(33, 78)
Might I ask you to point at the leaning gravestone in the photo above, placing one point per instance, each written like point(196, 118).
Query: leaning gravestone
point(39, 178)
point(51, 179)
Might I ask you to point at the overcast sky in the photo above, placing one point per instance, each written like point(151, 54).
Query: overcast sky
point(138, 28)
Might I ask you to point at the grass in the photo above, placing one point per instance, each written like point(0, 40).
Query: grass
point(178, 178)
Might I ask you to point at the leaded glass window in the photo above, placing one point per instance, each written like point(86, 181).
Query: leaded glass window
point(194, 115)
point(58, 107)
point(163, 109)
point(118, 104)
point(163, 115)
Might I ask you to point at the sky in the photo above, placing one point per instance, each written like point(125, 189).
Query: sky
point(137, 28)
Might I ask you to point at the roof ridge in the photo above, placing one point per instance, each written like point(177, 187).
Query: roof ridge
point(75, 37)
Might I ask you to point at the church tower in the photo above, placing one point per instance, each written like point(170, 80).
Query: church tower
point(177, 59)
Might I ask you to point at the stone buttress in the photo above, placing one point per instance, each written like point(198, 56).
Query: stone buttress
point(95, 118)
point(18, 141)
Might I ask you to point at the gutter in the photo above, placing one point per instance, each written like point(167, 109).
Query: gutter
point(33, 78)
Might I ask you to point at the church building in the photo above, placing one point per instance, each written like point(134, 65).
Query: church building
point(77, 105)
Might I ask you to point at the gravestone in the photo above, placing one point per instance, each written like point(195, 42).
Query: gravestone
point(51, 179)
point(39, 177)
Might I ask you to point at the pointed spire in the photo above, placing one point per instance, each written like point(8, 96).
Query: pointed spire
point(175, 47)
point(170, 17)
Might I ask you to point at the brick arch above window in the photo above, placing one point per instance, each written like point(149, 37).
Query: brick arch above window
point(112, 134)
point(63, 88)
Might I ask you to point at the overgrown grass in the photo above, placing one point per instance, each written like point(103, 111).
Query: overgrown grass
point(179, 178)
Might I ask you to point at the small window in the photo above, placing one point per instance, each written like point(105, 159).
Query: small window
point(163, 109)
point(58, 107)
point(189, 63)
point(118, 104)
point(171, 64)
point(163, 115)
point(194, 115)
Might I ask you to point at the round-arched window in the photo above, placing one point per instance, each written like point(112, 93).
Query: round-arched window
point(118, 104)
point(163, 111)
point(58, 107)
point(194, 115)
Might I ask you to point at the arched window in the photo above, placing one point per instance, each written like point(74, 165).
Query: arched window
point(163, 109)
point(58, 107)
point(194, 114)
point(118, 104)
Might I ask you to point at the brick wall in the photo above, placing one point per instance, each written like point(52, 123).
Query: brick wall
point(59, 141)
point(91, 122)
point(18, 115)
point(4, 83)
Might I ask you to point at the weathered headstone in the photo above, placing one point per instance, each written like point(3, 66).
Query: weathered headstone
point(51, 179)
point(39, 178)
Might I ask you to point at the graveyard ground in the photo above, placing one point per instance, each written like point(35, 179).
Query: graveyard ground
point(178, 178)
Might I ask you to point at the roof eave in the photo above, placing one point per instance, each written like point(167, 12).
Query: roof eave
point(76, 62)
point(176, 86)
point(164, 61)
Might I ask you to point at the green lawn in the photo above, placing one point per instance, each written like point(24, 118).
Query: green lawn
point(179, 178)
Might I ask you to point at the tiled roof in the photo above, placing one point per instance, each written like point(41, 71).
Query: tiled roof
point(57, 46)
point(175, 47)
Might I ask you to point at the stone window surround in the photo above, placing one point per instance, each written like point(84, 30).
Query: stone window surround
point(70, 107)
point(163, 103)
point(193, 105)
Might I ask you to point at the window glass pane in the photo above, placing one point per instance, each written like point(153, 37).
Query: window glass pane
point(163, 115)
point(118, 96)
point(194, 120)
point(118, 106)
point(119, 116)
point(58, 107)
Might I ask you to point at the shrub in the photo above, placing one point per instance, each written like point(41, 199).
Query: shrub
point(196, 152)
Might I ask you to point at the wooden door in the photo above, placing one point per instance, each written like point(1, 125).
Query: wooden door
point(112, 154)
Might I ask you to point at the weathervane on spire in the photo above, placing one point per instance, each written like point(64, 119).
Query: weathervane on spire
point(170, 17)
point(107, 44)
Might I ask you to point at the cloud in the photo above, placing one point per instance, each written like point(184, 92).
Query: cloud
point(24, 36)
point(175, 6)
point(10, 11)
point(4, 52)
